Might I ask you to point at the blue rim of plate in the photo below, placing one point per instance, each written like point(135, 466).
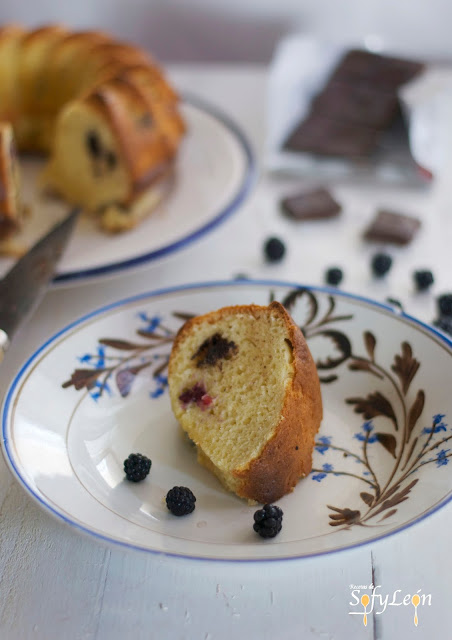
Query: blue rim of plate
point(9, 459)
point(248, 180)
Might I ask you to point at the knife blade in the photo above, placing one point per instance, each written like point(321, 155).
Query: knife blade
point(25, 284)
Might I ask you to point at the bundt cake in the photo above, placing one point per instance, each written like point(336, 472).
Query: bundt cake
point(244, 387)
point(11, 207)
point(101, 109)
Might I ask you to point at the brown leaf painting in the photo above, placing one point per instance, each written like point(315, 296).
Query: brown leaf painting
point(375, 404)
point(388, 441)
point(384, 446)
point(415, 412)
point(405, 366)
point(370, 342)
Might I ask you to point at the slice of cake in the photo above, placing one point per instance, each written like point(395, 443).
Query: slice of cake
point(113, 145)
point(244, 387)
point(11, 207)
point(102, 112)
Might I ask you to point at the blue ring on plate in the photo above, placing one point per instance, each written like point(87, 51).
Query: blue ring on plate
point(202, 285)
point(248, 181)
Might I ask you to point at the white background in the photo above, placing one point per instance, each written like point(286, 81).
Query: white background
point(248, 30)
point(56, 584)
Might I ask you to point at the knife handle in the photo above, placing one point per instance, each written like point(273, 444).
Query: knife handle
point(4, 343)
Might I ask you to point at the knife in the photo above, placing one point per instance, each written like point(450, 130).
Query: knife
point(25, 284)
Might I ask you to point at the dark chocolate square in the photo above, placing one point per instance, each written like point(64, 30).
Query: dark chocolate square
point(328, 137)
point(392, 227)
point(359, 105)
point(316, 204)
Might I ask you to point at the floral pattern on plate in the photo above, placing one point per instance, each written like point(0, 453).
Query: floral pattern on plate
point(391, 424)
point(97, 392)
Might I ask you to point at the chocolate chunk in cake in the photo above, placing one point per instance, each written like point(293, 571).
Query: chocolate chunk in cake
point(316, 204)
point(93, 144)
point(214, 349)
point(326, 136)
point(392, 227)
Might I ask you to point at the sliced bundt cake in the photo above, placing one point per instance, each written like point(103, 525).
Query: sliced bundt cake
point(102, 109)
point(244, 387)
point(111, 142)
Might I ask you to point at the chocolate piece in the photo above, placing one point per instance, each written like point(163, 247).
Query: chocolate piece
point(328, 137)
point(93, 144)
point(213, 349)
point(360, 105)
point(392, 227)
point(374, 70)
point(316, 204)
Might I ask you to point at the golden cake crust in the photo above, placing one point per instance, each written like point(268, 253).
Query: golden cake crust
point(145, 149)
point(287, 455)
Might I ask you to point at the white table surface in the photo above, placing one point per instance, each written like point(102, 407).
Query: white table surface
point(56, 583)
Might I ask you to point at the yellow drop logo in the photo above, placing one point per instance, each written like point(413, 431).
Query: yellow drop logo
point(365, 601)
point(415, 600)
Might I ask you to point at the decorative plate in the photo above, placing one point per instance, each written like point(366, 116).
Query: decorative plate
point(97, 391)
point(214, 174)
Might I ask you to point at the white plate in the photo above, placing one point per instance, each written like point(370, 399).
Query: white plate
point(382, 461)
point(214, 174)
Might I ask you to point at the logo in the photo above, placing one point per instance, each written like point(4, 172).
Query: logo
point(377, 601)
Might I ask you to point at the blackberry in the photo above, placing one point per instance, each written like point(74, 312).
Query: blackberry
point(196, 394)
point(334, 276)
point(445, 324)
point(180, 501)
point(268, 521)
point(423, 279)
point(274, 249)
point(137, 467)
point(381, 263)
point(445, 304)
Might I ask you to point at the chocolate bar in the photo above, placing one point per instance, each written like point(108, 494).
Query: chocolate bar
point(380, 72)
point(358, 105)
point(359, 101)
point(316, 204)
point(392, 227)
point(325, 136)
